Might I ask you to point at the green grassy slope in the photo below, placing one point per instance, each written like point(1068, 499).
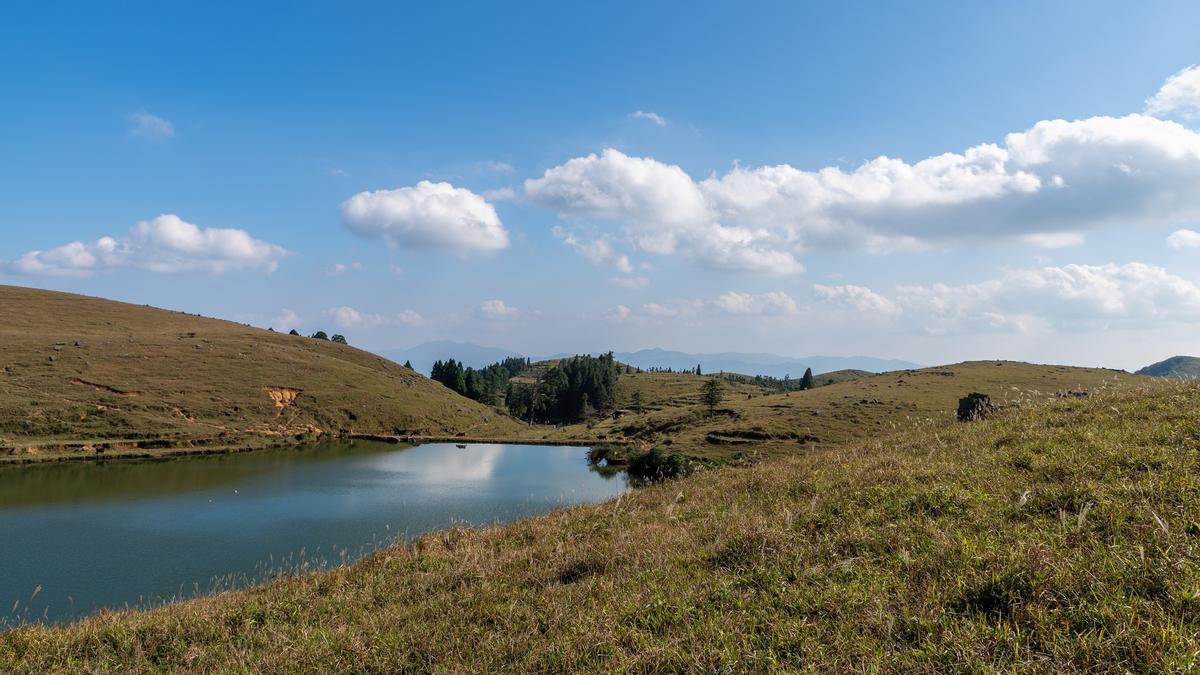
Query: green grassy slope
point(78, 370)
point(663, 390)
point(1064, 535)
point(792, 422)
point(671, 390)
point(1177, 367)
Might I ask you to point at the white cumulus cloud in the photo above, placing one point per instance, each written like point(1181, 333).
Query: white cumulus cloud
point(287, 320)
point(1064, 297)
point(859, 298)
point(166, 243)
point(347, 318)
point(427, 216)
point(1046, 185)
point(1179, 94)
point(775, 302)
point(1180, 239)
point(410, 318)
point(662, 210)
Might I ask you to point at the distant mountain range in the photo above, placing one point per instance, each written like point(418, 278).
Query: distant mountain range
point(1178, 367)
point(470, 354)
point(423, 355)
point(773, 365)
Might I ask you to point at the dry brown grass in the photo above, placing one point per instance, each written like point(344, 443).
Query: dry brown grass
point(786, 424)
point(78, 371)
point(1064, 535)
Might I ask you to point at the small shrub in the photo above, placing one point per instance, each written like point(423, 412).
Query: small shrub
point(654, 466)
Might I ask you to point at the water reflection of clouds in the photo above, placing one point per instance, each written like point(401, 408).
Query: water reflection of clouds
point(444, 463)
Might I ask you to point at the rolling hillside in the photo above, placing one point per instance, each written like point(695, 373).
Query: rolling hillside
point(84, 374)
point(759, 424)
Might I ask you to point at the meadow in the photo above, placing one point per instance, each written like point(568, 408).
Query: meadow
point(1062, 535)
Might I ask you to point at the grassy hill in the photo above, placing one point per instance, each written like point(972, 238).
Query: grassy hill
point(84, 374)
point(1063, 535)
point(751, 422)
point(666, 390)
point(1177, 367)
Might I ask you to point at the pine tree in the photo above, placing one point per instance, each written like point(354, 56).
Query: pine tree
point(807, 382)
point(408, 364)
point(698, 369)
point(460, 379)
point(710, 393)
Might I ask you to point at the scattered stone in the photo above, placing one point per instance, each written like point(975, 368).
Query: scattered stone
point(974, 407)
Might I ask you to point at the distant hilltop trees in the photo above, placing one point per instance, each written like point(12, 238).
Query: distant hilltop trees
point(576, 388)
point(322, 335)
point(486, 385)
point(572, 389)
point(568, 390)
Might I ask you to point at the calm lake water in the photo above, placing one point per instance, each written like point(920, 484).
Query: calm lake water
point(120, 533)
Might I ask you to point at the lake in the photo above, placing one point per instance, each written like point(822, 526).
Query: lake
point(117, 533)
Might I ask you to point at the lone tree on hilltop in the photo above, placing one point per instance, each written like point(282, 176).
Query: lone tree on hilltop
point(807, 381)
point(293, 332)
point(340, 339)
point(408, 364)
point(320, 335)
point(711, 394)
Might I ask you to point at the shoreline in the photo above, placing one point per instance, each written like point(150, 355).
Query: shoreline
point(154, 449)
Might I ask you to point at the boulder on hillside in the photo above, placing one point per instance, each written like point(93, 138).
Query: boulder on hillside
point(974, 407)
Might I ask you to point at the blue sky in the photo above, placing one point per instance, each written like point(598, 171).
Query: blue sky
point(207, 157)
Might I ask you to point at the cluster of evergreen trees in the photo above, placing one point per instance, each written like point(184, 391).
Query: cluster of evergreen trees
point(785, 383)
point(484, 385)
point(573, 389)
point(681, 371)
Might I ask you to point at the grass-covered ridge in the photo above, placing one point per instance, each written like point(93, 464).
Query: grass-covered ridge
point(80, 375)
point(1176, 367)
point(754, 422)
point(1062, 535)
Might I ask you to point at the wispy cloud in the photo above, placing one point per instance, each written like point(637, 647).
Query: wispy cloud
point(496, 167)
point(653, 117)
point(632, 283)
point(497, 310)
point(338, 269)
point(151, 127)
